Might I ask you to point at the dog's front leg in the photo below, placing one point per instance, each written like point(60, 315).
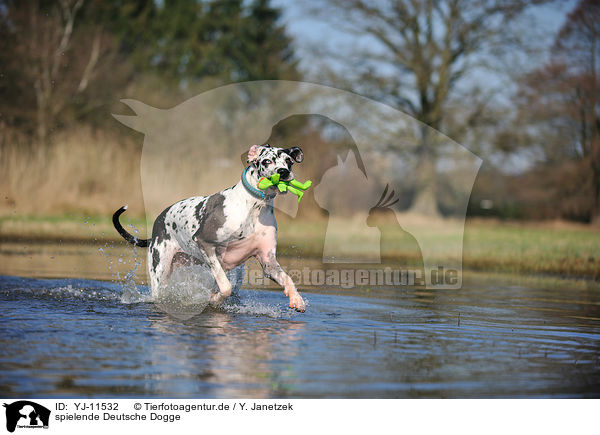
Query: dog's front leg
point(214, 264)
point(274, 271)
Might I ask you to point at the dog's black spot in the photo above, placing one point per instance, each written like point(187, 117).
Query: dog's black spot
point(174, 226)
point(155, 259)
point(199, 206)
point(295, 153)
point(159, 230)
point(253, 170)
point(211, 219)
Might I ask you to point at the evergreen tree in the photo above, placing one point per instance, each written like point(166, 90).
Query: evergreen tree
point(65, 61)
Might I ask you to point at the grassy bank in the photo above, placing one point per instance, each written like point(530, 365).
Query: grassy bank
point(490, 247)
point(82, 171)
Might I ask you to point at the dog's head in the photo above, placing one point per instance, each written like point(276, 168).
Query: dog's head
point(270, 160)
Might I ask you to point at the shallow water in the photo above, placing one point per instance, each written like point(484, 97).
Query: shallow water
point(83, 337)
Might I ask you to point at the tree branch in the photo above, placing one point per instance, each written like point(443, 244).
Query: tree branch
point(94, 55)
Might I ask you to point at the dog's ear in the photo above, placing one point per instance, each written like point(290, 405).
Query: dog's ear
point(252, 153)
point(295, 153)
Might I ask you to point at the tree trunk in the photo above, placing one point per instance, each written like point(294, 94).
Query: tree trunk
point(425, 201)
point(41, 114)
point(595, 162)
point(595, 218)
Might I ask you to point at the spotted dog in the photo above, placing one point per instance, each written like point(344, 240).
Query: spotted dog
point(224, 229)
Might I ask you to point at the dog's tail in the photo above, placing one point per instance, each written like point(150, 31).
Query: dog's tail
point(131, 239)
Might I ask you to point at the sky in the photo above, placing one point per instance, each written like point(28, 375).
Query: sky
point(310, 33)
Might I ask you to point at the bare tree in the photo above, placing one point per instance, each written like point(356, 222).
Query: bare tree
point(413, 54)
point(54, 67)
point(579, 45)
point(560, 103)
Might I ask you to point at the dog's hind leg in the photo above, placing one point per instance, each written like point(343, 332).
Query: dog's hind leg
point(225, 288)
point(160, 259)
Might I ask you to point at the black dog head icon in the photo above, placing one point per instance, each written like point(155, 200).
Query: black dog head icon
point(30, 412)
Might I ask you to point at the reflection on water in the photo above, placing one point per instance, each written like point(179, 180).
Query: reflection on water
point(76, 337)
point(227, 356)
point(106, 261)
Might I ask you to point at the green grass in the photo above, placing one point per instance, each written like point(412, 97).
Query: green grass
point(519, 249)
point(563, 250)
point(65, 227)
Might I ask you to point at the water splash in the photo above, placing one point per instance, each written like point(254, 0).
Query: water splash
point(59, 289)
point(131, 293)
point(254, 307)
point(189, 288)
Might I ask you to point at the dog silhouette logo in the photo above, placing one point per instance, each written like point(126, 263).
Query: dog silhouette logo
point(26, 414)
point(354, 148)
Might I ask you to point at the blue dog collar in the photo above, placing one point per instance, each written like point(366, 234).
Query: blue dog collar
point(253, 190)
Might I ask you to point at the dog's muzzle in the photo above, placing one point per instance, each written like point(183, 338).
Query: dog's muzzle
point(284, 173)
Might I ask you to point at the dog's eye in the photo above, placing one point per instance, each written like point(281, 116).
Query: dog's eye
point(267, 162)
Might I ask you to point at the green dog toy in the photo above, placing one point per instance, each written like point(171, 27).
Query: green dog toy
point(293, 186)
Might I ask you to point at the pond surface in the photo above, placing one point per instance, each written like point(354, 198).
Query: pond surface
point(88, 337)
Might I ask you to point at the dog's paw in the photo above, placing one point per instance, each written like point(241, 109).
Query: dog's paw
point(216, 299)
point(297, 303)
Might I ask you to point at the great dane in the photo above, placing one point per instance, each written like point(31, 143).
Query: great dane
point(224, 229)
